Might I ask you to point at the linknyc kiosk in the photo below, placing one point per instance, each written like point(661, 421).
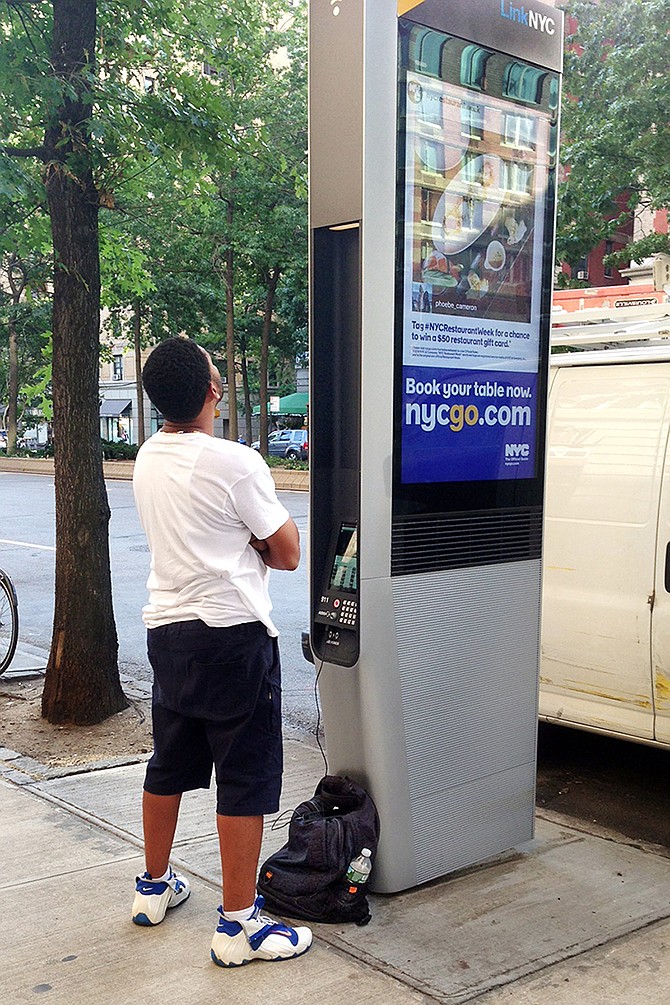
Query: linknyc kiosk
point(433, 141)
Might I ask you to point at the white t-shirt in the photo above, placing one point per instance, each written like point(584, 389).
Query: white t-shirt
point(199, 500)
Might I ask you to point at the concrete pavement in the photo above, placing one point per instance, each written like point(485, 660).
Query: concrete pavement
point(571, 917)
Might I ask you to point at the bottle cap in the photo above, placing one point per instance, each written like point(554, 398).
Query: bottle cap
point(366, 852)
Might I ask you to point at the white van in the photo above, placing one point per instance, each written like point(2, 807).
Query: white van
point(606, 600)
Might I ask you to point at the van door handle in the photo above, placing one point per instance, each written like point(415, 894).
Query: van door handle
point(667, 567)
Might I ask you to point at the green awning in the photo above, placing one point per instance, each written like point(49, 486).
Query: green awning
point(290, 404)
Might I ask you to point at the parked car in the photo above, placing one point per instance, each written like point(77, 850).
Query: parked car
point(271, 436)
point(287, 443)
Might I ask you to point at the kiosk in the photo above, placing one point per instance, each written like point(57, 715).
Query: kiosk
point(433, 135)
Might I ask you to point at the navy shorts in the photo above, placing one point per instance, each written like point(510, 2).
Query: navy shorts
point(217, 702)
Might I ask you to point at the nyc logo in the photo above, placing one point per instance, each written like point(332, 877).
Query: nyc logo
point(517, 451)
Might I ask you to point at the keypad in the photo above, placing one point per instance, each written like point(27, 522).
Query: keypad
point(348, 613)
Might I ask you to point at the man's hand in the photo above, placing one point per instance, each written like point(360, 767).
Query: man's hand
point(282, 549)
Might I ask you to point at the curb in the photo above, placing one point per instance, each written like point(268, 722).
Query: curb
point(285, 480)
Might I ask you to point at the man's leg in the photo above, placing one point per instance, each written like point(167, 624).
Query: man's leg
point(248, 775)
point(251, 935)
point(240, 843)
point(159, 822)
point(156, 892)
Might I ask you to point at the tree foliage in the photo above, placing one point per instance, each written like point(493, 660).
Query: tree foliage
point(209, 236)
point(615, 125)
point(166, 143)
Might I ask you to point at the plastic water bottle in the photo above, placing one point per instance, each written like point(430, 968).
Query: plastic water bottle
point(360, 868)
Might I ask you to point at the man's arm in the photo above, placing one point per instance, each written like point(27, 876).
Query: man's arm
point(282, 549)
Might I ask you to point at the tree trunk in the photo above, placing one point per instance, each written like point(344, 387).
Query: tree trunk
point(137, 332)
point(13, 388)
point(271, 289)
point(82, 680)
point(247, 398)
point(230, 328)
point(17, 284)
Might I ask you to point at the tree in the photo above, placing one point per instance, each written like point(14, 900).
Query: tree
point(25, 271)
point(266, 233)
point(77, 110)
point(615, 125)
point(23, 300)
point(82, 682)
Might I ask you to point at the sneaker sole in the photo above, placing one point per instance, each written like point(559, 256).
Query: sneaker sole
point(259, 959)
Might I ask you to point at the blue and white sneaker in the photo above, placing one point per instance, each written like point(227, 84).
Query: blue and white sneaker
point(259, 938)
point(152, 899)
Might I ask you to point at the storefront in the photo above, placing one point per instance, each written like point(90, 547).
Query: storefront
point(115, 420)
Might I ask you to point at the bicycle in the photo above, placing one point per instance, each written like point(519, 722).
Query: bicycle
point(9, 621)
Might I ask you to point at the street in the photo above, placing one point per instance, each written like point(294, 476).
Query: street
point(27, 553)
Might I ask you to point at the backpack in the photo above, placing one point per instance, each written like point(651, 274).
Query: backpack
point(306, 878)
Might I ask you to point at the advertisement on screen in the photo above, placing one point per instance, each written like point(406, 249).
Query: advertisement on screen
point(475, 190)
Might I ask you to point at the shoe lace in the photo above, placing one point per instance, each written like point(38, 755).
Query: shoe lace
point(263, 919)
point(270, 927)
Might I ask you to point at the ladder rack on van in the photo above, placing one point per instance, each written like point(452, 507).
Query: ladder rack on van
point(603, 327)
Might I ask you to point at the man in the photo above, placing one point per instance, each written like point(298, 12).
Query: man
point(214, 527)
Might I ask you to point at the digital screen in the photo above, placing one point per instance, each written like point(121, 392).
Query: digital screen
point(344, 573)
point(477, 136)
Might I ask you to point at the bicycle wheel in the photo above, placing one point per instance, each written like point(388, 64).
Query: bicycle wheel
point(9, 621)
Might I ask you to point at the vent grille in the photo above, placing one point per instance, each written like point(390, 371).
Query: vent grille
point(455, 541)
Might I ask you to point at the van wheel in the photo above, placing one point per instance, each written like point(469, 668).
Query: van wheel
point(293, 455)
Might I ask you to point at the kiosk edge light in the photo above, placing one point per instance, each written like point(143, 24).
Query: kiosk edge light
point(433, 140)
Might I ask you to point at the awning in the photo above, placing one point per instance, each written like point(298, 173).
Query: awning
point(290, 404)
point(113, 407)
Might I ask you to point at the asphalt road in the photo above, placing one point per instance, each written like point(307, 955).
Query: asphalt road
point(27, 553)
point(604, 783)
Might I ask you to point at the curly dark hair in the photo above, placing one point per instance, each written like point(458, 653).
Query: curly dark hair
point(176, 377)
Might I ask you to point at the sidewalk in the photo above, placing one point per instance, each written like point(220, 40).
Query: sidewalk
point(285, 479)
point(570, 918)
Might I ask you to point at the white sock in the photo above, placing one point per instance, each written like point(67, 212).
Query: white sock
point(239, 915)
point(164, 878)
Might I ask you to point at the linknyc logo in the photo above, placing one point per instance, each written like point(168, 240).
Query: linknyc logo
point(527, 17)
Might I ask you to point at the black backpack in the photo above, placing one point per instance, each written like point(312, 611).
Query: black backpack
point(306, 878)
